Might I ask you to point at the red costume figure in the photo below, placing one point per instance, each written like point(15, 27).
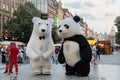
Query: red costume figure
point(13, 52)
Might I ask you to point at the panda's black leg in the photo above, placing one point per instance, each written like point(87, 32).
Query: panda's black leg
point(69, 70)
point(82, 69)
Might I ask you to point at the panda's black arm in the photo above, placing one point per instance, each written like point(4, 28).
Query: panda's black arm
point(61, 57)
point(85, 50)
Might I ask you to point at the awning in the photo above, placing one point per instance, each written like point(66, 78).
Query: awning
point(8, 42)
point(92, 42)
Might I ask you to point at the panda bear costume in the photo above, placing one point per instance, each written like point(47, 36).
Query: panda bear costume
point(75, 50)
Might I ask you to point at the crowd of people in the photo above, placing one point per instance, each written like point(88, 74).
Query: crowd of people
point(96, 52)
point(12, 55)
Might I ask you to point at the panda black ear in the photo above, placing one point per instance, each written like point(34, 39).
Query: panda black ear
point(76, 18)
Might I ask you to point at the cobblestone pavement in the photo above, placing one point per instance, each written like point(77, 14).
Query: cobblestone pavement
point(108, 68)
point(98, 72)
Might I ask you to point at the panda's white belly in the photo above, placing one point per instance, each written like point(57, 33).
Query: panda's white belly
point(71, 52)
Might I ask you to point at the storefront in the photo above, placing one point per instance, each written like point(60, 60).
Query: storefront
point(7, 43)
point(106, 46)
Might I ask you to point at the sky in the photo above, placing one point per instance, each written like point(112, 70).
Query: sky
point(99, 14)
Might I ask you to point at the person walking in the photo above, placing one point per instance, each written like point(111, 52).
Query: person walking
point(7, 59)
point(57, 50)
point(3, 50)
point(6, 62)
point(13, 52)
point(98, 51)
point(94, 50)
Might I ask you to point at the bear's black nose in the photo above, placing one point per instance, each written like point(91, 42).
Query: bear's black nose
point(43, 30)
point(60, 30)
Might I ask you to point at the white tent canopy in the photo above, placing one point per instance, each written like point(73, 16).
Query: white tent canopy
point(8, 42)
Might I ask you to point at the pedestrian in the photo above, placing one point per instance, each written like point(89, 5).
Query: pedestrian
point(13, 52)
point(94, 50)
point(98, 51)
point(21, 54)
point(3, 50)
point(57, 50)
point(20, 57)
point(7, 59)
point(6, 62)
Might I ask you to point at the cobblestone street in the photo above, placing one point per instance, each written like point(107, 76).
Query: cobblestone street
point(108, 68)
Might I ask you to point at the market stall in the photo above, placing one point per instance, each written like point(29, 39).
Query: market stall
point(6, 43)
point(106, 46)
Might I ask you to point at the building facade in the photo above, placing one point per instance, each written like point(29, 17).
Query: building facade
point(48, 7)
point(112, 36)
point(7, 8)
point(59, 13)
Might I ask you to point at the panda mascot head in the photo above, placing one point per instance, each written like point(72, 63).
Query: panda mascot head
point(70, 27)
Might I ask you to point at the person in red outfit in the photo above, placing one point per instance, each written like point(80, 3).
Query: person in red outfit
point(13, 52)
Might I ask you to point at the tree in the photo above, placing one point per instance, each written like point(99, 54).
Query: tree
point(117, 23)
point(20, 26)
point(90, 38)
point(55, 36)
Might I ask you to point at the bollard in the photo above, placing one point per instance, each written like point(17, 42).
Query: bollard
point(13, 77)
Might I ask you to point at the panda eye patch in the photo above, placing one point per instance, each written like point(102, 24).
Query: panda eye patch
point(66, 26)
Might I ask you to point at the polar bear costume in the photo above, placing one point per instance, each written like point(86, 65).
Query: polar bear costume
point(40, 46)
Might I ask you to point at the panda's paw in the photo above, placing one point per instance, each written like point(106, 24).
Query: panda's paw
point(81, 75)
point(69, 73)
point(77, 74)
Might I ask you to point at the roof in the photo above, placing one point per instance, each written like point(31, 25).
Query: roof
point(103, 42)
point(8, 42)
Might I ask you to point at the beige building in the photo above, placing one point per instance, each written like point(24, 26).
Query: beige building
point(47, 7)
point(7, 8)
point(112, 36)
point(60, 11)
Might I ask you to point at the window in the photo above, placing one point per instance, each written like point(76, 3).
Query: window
point(12, 9)
point(7, 7)
point(44, 6)
point(3, 5)
point(16, 9)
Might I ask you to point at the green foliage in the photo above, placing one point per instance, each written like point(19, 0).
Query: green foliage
point(20, 26)
point(90, 38)
point(117, 23)
point(55, 36)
